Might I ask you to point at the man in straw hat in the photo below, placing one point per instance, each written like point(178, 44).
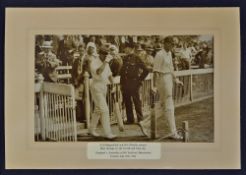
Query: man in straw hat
point(46, 62)
point(148, 58)
point(163, 83)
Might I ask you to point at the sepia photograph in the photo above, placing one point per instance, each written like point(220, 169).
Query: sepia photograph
point(124, 88)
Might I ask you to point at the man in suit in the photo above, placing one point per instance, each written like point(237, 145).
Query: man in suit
point(46, 62)
point(64, 50)
point(116, 63)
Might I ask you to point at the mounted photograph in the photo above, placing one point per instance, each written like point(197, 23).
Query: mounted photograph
point(122, 88)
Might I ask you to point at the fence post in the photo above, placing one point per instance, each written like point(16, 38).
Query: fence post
point(186, 131)
point(41, 107)
point(87, 99)
point(74, 114)
point(191, 89)
point(68, 73)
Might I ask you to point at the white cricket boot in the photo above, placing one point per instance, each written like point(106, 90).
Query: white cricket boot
point(94, 122)
point(105, 121)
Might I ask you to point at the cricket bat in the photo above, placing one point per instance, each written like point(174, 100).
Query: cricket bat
point(118, 114)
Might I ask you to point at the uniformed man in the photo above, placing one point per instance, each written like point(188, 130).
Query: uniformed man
point(133, 73)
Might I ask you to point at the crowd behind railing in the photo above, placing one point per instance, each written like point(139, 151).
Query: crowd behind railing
point(70, 55)
point(187, 52)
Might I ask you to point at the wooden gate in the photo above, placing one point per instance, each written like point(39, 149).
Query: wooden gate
point(57, 112)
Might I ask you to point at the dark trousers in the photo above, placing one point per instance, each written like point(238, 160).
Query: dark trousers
point(80, 111)
point(129, 95)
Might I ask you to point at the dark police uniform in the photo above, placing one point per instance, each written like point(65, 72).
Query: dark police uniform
point(132, 74)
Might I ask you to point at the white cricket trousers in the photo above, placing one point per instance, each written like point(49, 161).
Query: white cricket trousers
point(101, 112)
point(164, 85)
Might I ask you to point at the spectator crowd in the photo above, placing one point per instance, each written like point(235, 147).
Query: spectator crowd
point(53, 50)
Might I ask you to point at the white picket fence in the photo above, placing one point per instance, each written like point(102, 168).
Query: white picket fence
point(56, 116)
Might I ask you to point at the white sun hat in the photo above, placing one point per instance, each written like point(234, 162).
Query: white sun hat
point(114, 47)
point(91, 44)
point(47, 44)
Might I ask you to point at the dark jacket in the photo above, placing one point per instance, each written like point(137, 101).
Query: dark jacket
point(116, 65)
point(133, 71)
point(77, 79)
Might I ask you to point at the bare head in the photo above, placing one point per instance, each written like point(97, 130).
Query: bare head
point(168, 44)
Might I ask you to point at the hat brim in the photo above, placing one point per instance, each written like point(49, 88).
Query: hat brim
point(150, 49)
point(49, 47)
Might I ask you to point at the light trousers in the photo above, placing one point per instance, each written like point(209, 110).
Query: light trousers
point(101, 112)
point(164, 85)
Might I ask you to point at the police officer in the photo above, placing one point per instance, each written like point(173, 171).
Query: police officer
point(132, 74)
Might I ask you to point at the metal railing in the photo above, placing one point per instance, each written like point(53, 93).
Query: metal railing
point(198, 85)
